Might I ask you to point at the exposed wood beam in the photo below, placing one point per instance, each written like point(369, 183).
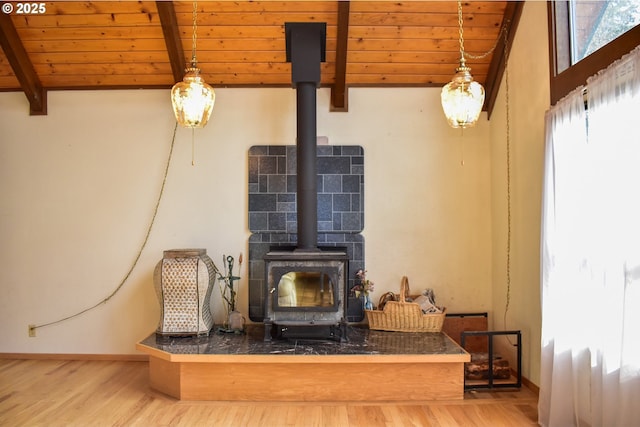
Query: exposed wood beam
point(22, 66)
point(171, 32)
point(510, 21)
point(339, 91)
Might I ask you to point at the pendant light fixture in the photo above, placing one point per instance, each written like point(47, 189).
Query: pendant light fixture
point(192, 98)
point(462, 98)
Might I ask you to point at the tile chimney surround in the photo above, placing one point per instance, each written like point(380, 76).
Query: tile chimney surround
point(273, 217)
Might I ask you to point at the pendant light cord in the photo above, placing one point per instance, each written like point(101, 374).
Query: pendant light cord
point(463, 54)
point(194, 36)
point(460, 32)
point(139, 254)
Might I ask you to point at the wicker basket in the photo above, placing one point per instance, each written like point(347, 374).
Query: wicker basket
point(404, 316)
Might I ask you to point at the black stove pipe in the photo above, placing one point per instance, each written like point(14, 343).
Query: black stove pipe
point(307, 193)
point(306, 47)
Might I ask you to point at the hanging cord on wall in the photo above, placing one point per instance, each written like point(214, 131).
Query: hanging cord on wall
point(504, 33)
point(137, 258)
point(508, 155)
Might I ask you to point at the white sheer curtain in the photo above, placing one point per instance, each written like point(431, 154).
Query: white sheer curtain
point(590, 362)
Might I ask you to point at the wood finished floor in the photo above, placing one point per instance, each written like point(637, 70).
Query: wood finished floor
point(116, 393)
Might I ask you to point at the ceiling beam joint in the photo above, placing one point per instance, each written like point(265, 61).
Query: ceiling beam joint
point(172, 40)
point(339, 90)
point(22, 66)
point(497, 66)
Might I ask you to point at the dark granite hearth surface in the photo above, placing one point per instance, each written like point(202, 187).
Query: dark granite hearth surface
point(362, 341)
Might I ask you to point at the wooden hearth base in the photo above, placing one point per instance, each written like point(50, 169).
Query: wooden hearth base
point(307, 377)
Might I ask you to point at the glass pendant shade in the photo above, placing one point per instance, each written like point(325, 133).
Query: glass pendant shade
point(192, 100)
point(462, 99)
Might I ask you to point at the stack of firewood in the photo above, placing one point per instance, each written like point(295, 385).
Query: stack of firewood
point(478, 368)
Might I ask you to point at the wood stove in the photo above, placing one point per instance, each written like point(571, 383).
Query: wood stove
point(306, 295)
point(306, 287)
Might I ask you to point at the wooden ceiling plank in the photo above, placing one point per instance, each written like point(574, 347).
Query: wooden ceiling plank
point(427, 6)
point(426, 20)
point(512, 14)
point(273, 45)
point(91, 33)
point(417, 45)
point(339, 91)
point(22, 66)
point(370, 56)
point(56, 58)
point(420, 32)
point(121, 81)
point(171, 32)
point(259, 19)
point(8, 82)
point(99, 7)
point(88, 20)
point(418, 68)
point(269, 6)
point(135, 68)
point(97, 47)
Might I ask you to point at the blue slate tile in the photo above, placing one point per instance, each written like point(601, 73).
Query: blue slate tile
point(277, 184)
point(253, 169)
point(334, 165)
point(286, 207)
point(352, 150)
point(341, 202)
point(337, 222)
point(356, 204)
point(286, 197)
point(357, 170)
point(258, 221)
point(332, 184)
point(277, 221)
point(259, 150)
point(268, 164)
point(260, 202)
point(325, 207)
point(282, 165)
point(292, 184)
point(325, 226)
point(291, 160)
point(277, 150)
point(351, 221)
point(263, 180)
point(324, 150)
point(350, 184)
point(357, 160)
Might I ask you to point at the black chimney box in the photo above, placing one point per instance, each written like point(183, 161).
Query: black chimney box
point(306, 49)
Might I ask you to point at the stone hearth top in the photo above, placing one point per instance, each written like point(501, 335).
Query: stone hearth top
point(362, 341)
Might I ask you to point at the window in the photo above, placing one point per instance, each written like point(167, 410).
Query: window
point(586, 36)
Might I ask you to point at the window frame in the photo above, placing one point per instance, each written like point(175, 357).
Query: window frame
point(576, 75)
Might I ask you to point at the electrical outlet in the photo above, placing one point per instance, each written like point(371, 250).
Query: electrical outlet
point(32, 331)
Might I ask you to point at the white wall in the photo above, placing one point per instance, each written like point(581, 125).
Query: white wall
point(79, 187)
point(528, 101)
